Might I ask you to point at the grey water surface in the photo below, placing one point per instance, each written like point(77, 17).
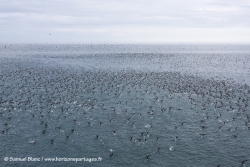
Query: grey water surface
point(130, 105)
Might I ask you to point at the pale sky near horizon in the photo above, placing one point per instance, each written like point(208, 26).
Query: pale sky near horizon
point(127, 21)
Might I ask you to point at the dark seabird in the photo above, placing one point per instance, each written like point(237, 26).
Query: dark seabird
point(242, 162)
point(147, 156)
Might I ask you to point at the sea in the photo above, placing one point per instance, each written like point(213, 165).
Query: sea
point(124, 105)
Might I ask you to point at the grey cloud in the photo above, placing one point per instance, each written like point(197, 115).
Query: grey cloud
point(42, 16)
point(97, 12)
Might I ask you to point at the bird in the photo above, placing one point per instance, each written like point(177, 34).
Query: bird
point(147, 157)
point(203, 135)
point(242, 162)
point(67, 136)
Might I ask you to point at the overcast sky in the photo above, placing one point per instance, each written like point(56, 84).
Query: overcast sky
point(125, 21)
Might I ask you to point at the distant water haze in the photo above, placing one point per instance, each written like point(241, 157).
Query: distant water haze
point(230, 61)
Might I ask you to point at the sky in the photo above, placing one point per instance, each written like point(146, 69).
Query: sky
point(125, 21)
